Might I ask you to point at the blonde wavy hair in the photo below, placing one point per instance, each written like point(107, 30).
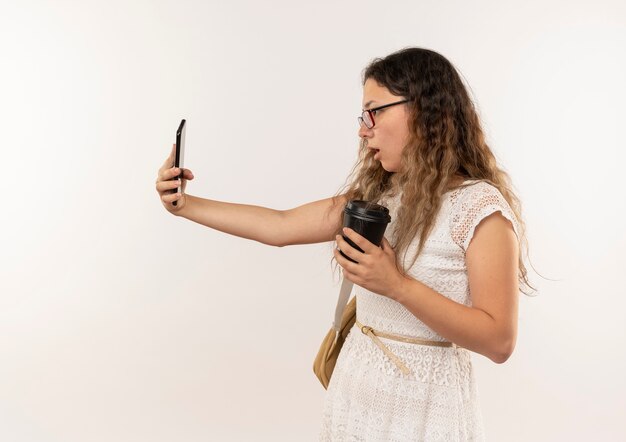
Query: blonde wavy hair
point(445, 141)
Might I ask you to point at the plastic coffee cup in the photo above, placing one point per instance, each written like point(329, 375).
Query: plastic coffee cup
point(367, 219)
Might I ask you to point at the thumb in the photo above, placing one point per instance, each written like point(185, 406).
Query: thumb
point(388, 247)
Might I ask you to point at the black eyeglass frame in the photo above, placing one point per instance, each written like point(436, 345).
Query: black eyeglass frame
point(374, 109)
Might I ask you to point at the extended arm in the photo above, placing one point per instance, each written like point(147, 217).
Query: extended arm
point(309, 223)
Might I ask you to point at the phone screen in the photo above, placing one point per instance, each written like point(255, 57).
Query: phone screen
point(180, 151)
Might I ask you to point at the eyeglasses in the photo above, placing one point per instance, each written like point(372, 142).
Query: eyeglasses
point(367, 117)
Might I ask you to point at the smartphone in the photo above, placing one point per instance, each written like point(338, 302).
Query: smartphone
point(180, 152)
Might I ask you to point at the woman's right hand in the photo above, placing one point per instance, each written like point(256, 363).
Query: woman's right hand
point(167, 183)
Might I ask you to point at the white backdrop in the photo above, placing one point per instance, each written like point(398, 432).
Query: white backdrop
point(120, 322)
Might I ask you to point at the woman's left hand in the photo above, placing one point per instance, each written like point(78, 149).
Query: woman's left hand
point(375, 268)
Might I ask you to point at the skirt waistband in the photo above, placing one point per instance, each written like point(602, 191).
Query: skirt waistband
point(374, 334)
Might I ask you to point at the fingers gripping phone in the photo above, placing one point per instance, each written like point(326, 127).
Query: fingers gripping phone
point(180, 153)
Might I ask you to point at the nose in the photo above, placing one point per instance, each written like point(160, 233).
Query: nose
point(364, 131)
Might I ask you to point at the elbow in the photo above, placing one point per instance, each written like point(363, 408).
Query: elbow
point(504, 352)
point(278, 242)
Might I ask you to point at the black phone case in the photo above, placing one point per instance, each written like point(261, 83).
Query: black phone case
point(178, 162)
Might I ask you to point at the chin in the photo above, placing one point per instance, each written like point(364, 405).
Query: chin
point(387, 168)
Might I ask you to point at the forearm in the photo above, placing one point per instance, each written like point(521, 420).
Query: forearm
point(467, 327)
point(246, 221)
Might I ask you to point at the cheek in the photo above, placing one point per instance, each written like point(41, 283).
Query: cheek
point(401, 138)
point(396, 141)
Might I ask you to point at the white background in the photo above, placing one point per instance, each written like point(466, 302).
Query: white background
point(120, 322)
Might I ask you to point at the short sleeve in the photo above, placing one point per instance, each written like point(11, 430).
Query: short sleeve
point(476, 203)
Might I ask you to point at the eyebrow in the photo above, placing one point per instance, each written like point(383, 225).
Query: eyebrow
point(368, 103)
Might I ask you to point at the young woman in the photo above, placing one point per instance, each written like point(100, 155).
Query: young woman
point(446, 279)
